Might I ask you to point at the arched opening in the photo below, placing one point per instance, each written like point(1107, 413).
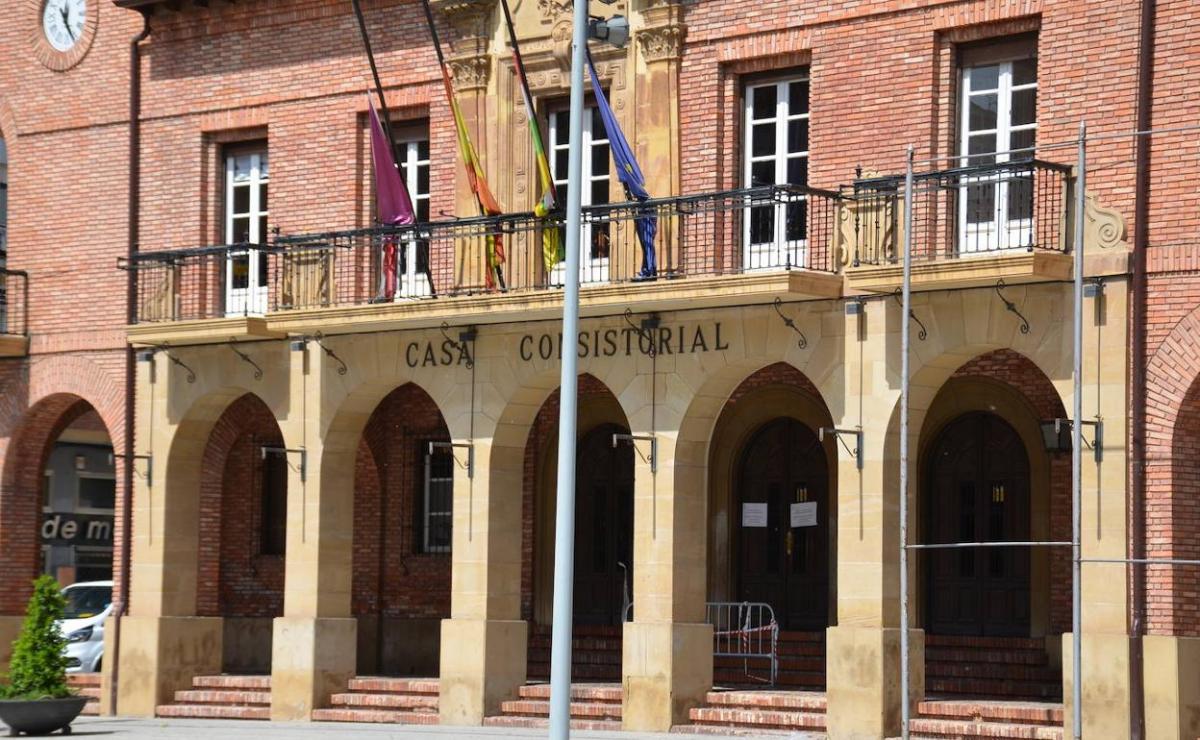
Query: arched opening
point(603, 578)
point(783, 484)
point(977, 489)
point(58, 507)
point(773, 519)
point(993, 615)
point(403, 505)
point(243, 532)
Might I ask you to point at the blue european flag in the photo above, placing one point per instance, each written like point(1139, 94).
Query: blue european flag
point(630, 176)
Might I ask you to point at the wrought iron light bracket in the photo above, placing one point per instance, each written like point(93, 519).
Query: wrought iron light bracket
point(856, 452)
point(1097, 443)
point(148, 476)
point(452, 446)
point(802, 341)
point(302, 452)
point(468, 334)
point(632, 439)
point(258, 373)
point(924, 333)
point(147, 355)
point(1012, 307)
point(645, 328)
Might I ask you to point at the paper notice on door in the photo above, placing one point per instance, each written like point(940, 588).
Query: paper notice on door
point(804, 515)
point(754, 515)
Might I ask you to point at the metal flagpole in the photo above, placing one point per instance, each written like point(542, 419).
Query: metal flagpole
point(564, 527)
point(1077, 444)
point(387, 117)
point(906, 311)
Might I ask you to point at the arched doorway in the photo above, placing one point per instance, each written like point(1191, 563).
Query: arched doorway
point(977, 489)
point(782, 547)
point(603, 527)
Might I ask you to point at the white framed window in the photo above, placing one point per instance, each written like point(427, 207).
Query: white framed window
point(998, 114)
point(595, 242)
point(246, 184)
point(437, 500)
point(95, 493)
point(412, 262)
point(775, 152)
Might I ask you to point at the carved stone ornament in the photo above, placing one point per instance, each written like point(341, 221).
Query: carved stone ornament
point(1103, 227)
point(470, 73)
point(467, 16)
point(551, 9)
point(660, 43)
point(561, 36)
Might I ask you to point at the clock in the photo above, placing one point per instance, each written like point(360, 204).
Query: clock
point(64, 31)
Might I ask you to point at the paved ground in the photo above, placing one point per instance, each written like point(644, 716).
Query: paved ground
point(200, 729)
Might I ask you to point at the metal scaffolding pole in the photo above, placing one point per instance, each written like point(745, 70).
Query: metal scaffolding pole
point(1077, 443)
point(906, 311)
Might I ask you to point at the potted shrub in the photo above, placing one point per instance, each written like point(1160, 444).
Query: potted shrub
point(36, 699)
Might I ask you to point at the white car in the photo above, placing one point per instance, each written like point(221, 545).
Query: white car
point(88, 605)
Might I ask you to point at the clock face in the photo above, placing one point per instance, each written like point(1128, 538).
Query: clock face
point(63, 22)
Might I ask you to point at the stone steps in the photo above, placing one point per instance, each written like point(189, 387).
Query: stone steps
point(88, 685)
point(757, 712)
point(593, 707)
point(410, 701)
point(974, 719)
point(1004, 667)
point(222, 697)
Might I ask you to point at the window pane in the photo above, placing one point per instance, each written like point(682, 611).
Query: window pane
point(241, 230)
point(239, 272)
point(241, 199)
point(262, 198)
point(981, 144)
point(262, 166)
point(423, 149)
point(985, 78)
point(981, 204)
point(422, 179)
point(562, 125)
point(560, 164)
point(598, 131)
point(97, 493)
point(762, 173)
point(1024, 71)
point(599, 160)
point(763, 101)
point(798, 136)
point(762, 224)
point(1023, 139)
point(1020, 198)
point(798, 98)
point(599, 192)
point(797, 168)
point(762, 139)
point(797, 220)
point(264, 236)
point(1024, 106)
point(600, 242)
point(241, 168)
point(982, 113)
point(262, 269)
point(423, 210)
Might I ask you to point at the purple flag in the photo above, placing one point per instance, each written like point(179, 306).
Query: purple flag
point(395, 207)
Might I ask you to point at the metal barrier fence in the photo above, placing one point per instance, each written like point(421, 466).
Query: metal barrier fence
point(746, 630)
point(730, 232)
point(965, 211)
point(14, 302)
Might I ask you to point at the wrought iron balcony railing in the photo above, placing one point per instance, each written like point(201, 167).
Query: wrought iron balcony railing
point(725, 233)
point(14, 302)
point(980, 209)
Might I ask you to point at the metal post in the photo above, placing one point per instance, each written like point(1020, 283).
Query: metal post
point(564, 526)
point(906, 309)
point(1077, 444)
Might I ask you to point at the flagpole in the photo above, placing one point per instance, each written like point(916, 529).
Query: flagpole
point(564, 529)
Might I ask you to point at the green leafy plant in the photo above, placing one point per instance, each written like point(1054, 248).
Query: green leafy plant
point(39, 663)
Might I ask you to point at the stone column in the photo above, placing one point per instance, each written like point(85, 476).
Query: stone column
point(862, 664)
point(1105, 640)
point(666, 661)
point(163, 644)
point(315, 641)
point(484, 641)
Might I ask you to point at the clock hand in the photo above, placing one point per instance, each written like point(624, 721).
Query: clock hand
point(66, 17)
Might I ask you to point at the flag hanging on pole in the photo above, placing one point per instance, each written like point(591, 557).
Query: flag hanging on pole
point(629, 174)
point(392, 202)
point(494, 247)
point(552, 248)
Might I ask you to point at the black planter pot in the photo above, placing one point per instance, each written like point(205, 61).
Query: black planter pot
point(40, 716)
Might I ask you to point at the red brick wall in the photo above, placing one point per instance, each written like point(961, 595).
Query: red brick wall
point(389, 476)
point(1019, 372)
point(235, 579)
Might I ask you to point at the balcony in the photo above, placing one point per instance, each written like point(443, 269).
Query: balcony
point(971, 226)
point(728, 248)
point(14, 302)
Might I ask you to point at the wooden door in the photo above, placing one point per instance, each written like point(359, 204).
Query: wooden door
point(977, 490)
point(603, 526)
point(783, 565)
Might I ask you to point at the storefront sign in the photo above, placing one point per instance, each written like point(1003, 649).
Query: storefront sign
point(77, 529)
point(664, 340)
